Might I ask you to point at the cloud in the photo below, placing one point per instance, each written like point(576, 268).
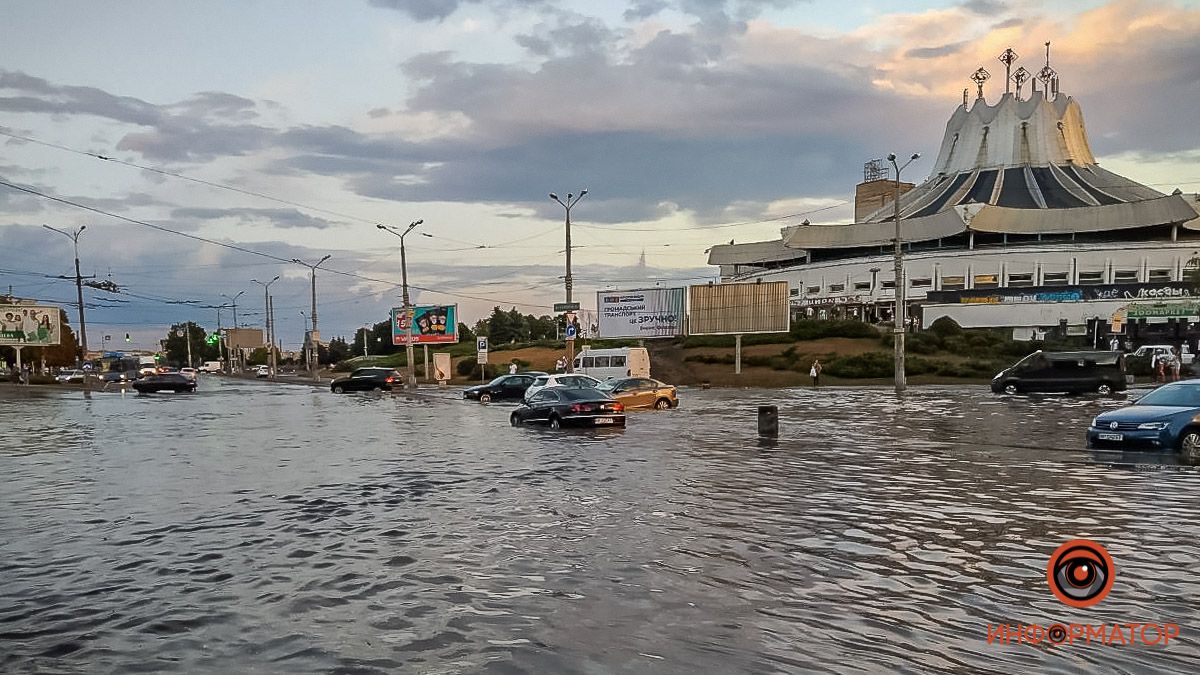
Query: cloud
point(985, 7)
point(283, 218)
point(935, 52)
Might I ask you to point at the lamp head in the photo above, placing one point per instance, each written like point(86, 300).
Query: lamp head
point(381, 227)
point(916, 155)
point(583, 192)
point(82, 228)
point(419, 222)
point(324, 259)
point(891, 156)
point(552, 196)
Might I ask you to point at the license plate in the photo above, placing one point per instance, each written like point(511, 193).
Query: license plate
point(603, 420)
point(1110, 437)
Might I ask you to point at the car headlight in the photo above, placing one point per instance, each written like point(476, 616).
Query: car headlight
point(1153, 426)
point(1095, 422)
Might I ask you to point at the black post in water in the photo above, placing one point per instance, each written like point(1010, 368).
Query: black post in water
point(768, 420)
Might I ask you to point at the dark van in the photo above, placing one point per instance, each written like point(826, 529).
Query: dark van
point(1068, 372)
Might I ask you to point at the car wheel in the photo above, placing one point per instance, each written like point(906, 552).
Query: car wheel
point(1104, 389)
point(485, 398)
point(1189, 445)
point(339, 390)
point(555, 423)
point(1011, 389)
point(514, 420)
point(662, 404)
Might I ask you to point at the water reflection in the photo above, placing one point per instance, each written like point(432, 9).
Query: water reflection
point(279, 527)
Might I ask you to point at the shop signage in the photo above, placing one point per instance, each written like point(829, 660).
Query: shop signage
point(997, 296)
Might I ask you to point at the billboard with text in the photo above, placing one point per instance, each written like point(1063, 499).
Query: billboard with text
point(29, 326)
point(732, 309)
point(641, 313)
point(432, 324)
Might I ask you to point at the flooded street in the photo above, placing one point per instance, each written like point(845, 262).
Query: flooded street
point(279, 528)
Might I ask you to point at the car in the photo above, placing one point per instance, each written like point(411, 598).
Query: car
point(189, 373)
point(1165, 420)
point(366, 379)
point(1067, 372)
point(569, 380)
point(560, 406)
point(119, 376)
point(164, 382)
point(262, 371)
point(69, 377)
point(503, 388)
point(641, 392)
point(210, 367)
point(1148, 352)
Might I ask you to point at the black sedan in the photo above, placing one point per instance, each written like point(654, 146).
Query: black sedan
point(164, 382)
point(367, 379)
point(562, 407)
point(503, 388)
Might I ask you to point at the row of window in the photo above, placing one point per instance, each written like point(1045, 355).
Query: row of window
point(958, 283)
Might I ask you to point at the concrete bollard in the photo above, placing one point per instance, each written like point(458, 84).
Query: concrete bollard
point(768, 420)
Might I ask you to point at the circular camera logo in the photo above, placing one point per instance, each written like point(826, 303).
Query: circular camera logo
point(1080, 573)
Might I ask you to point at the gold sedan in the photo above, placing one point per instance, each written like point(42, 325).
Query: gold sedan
point(642, 392)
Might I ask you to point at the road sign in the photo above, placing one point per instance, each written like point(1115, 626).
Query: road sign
point(107, 338)
point(481, 344)
point(571, 331)
point(566, 306)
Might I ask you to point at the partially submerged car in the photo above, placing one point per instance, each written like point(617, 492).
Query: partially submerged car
point(1063, 372)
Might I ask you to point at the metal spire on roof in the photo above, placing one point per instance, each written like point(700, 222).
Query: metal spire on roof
point(1021, 77)
point(1046, 74)
point(1007, 58)
point(979, 77)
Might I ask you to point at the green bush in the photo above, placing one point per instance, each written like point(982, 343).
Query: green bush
point(812, 329)
point(468, 368)
point(711, 359)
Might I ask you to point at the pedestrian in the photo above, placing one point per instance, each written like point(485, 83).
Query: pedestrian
point(26, 373)
point(815, 372)
point(512, 367)
point(1115, 344)
point(561, 364)
point(1156, 367)
point(1176, 364)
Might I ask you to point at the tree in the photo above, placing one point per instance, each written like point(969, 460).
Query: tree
point(500, 330)
point(464, 333)
point(518, 325)
point(176, 345)
point(338, 350)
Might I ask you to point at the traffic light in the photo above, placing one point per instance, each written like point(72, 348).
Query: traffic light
point(213, 339)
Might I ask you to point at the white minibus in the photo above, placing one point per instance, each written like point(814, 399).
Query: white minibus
point(608, 364)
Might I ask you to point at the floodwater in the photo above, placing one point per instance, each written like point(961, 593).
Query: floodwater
point(279, 528)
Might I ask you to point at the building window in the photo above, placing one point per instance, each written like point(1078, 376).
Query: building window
point(812, 290)
point(1020, 280)
point(954, 283)
point(924, 282)
point(1091, 278)
point(1055, 278)
point(1125, 276)
point(793, 291)
point(1158, 275)
point(987, 281)
point(837, 288)
point(887, 285)
point(862, 285)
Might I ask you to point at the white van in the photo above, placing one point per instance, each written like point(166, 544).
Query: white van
point(210, 367)
point(608, 364)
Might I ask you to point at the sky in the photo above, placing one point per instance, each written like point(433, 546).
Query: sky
point(205, 145)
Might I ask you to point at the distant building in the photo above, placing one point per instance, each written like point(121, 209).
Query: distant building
point(1017, 226)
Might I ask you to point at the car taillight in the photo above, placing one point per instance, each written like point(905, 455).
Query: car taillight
point(390, 380)
point(582, 407)
point(615, 407)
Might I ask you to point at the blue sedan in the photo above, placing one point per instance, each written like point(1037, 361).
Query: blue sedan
point(1166, 419)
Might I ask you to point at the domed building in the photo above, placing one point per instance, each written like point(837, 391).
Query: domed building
point(1017, 226)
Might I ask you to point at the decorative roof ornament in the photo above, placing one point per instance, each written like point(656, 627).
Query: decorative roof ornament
point(1020, 78)
point(979, 77)
point(1007, 58)
point(1047, 74)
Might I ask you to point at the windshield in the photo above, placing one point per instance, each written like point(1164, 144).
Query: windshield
point(607, 385)
point(1179, 395)
point(541, 381)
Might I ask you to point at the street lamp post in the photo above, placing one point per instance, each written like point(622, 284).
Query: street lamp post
point(568, 282)
point(314, 347)
point(410, 377)
point(899, 319)
point(268, 324)
point(74, 237)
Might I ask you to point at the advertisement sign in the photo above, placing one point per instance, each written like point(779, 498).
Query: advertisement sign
point(432, 324)
point(244, 338)
point(733, 309)
point(641, 313)
point(29, 326)
point(441, 366)
point(1166, 290)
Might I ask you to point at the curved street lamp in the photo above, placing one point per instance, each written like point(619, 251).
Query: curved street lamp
point(313, 348)
point(410, 376)
point(83, 346)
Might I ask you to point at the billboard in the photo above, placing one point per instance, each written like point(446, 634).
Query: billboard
point(29, 326)
point(735, 309)
point(244, 338)
point(641, 313)
point(432, 324)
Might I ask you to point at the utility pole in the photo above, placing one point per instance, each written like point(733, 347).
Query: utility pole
point(233, 301)
point(267, 320)
point(74, 237)
point(900, 321)
point(314, 337)
point(410, 377)
point(568, 281)
point(188, 332)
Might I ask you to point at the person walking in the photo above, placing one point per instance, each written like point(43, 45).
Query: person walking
point(561, 364)
point(512, 367)
point(815, 372)
point(1176, 363)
